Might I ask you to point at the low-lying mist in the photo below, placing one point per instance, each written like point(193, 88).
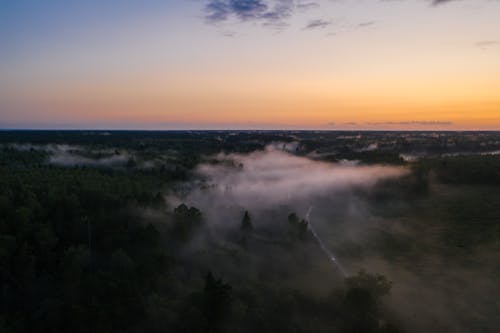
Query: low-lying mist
point(272, 183)
point(264, 179)
point(64, 155)
point(249, 232)
point(71, 156)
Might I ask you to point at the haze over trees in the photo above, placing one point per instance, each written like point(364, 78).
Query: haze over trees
point(161, 241)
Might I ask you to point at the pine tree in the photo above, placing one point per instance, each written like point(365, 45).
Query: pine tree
point(246, 223)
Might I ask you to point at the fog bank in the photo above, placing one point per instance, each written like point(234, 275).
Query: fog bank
point(266, 178)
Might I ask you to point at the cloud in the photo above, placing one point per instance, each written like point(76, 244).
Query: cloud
point(307, 5)
point(366, 24)
point(216, 11)
point(317, 24)
point(229, 33)
point(248, 10)
point(488, 43)
point(440, 2)
point(413, 122)
point(273, 13)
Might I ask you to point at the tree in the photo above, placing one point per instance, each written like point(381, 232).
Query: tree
point(360, 307)
point(246, 223)
point(297, 228)
point(377, 284)
point(217, 297)
point(303, 229)
point(186, 220)
point(359, 311)
point(293, 219)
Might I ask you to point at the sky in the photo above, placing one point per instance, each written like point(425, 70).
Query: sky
point(250, 64)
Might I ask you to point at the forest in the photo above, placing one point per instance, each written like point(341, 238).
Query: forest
point(249, 231)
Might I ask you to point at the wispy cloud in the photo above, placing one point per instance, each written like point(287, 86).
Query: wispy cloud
point(272, 12)
point(317, 24)
point(307, 5)
point(366, 24)
point(440, 2)
point(488, 43)
point(412, 123)
point(391, 124)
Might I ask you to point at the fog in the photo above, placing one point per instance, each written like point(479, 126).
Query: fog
point(413, 157)
point(263, 179)
point(154, 225)
point(273, 183)
point(430, 291)
point(64, 155)
point(70, 155)
point(70, 158)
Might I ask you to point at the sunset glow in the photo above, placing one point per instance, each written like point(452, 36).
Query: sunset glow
point(318, 65)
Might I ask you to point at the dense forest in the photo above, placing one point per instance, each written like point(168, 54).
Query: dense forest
point(153, 231)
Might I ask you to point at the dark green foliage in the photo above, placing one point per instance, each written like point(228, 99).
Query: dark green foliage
point(293, 219)
point(359, 312)
point(360, 307)
point(78, 253)
point(377, 285)
point(186, 222)
point(217, 301)
point(372, 157)
point(472, 169)
point(73, 257)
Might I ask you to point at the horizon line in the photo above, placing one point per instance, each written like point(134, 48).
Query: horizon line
point(3, 129)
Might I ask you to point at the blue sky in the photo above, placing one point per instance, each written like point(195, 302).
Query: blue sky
point(250, 63)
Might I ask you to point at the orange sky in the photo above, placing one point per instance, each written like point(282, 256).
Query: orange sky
point(406, 65)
